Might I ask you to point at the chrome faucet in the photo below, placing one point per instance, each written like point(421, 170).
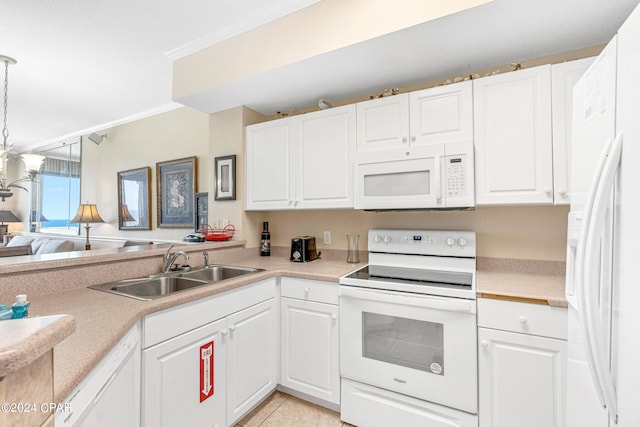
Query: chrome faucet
point(170, 259)
point(206, 258)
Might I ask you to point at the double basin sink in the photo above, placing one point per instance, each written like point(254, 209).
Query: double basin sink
point(164, 284)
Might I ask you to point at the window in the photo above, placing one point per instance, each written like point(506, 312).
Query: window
point(57, 194)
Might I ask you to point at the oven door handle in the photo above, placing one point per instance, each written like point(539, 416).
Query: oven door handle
point(405, 298)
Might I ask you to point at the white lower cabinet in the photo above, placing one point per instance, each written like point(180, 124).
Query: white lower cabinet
point(309, 356)
point(172, 377)
point(210, 375)
point(521, 375)
point(252, 362)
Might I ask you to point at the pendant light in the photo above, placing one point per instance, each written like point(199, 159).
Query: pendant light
point(33, 162)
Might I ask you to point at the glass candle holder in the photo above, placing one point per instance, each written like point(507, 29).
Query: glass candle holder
point(352, 248)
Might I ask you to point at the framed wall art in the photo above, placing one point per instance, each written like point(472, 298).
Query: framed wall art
point(225, 177)
point(176, 186)
point(134, 199)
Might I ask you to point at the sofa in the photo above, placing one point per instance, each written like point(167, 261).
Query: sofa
point(25, 245)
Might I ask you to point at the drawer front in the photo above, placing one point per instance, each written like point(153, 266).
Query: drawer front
point(533, 319)
point(310, 290)
point(165, 324)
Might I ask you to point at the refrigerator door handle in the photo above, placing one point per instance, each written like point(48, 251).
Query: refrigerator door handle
point(593, 330)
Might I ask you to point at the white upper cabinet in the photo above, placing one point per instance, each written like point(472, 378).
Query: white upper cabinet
point(270, 165)
point(383, 123)
point(441, 114)
point(302, 162)
point(563, 77)
point(512, 125)
point(325, 150)
point(436, 115)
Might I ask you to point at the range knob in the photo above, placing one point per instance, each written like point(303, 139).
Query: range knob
point(386, 239)
point(451, 241)
point(462, 242)
point(376, 238)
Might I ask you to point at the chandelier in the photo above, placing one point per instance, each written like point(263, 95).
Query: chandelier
point(31, 161)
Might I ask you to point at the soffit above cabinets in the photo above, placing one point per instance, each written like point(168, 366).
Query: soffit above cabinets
point(496, 33)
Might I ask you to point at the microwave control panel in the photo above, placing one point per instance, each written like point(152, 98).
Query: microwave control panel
point(455, 173)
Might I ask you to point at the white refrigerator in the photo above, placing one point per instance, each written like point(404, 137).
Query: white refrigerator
point(603, 245)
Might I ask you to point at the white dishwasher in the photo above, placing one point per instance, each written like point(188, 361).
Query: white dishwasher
point(110, 394)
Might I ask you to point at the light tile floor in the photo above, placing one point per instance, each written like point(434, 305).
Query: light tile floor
point(283, 410)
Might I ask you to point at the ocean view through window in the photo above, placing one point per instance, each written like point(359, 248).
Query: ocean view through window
point(57, 196)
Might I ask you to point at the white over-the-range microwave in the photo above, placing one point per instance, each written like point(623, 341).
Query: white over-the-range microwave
point(432, 176)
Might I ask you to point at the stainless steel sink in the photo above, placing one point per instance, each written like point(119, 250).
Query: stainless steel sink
point(215, 273)
point(159, 285)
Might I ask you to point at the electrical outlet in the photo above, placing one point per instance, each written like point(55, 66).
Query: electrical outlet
point(215, 223)
point(327, 237)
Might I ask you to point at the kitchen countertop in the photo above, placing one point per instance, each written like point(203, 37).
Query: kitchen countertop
point(25, 340)
point(101, 318)
point(533, 281)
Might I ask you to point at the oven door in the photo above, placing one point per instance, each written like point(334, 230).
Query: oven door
point(418, 345)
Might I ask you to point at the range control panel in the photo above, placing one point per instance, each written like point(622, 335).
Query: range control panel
point(423, 242)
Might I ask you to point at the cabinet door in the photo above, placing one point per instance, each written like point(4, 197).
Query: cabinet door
point(326, 144)
point(309, 348)
point(176, 379)
point(521, 379)
point(563, 77)
point(252, 351)
point(270, 165)
point(441, 114)
point(383, 123)
point(512, 120)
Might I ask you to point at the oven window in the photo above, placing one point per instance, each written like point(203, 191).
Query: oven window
point(414, 344)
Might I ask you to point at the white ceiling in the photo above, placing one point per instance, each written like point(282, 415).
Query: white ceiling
point(85, 65)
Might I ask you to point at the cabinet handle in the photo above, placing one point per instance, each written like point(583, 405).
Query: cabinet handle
point(232, 329)
point(562, 192)
point(484, 343)
point(334, 317)
point(522, 319)
point(413, 138)
point(224, 332)
point(549, 192)
point(404, 139)
point(306, 291)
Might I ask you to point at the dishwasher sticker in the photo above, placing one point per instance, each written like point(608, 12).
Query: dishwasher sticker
point(206, 371)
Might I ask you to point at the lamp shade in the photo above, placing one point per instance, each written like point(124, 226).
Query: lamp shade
point(87, 213)
point(126, 215)
point(8, 216)
point(32, 162)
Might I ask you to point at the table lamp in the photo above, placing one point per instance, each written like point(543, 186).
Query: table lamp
point(6, 216)
point(87, 214)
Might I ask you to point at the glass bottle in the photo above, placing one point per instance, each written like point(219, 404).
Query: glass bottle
point(265, 240)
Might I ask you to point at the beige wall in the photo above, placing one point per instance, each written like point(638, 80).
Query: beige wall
point(502, 232)
point(227, 137)
point(306, 33)
point(183, 132)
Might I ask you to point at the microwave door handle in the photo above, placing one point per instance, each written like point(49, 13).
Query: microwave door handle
point(437, 180)
point(595, 330)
